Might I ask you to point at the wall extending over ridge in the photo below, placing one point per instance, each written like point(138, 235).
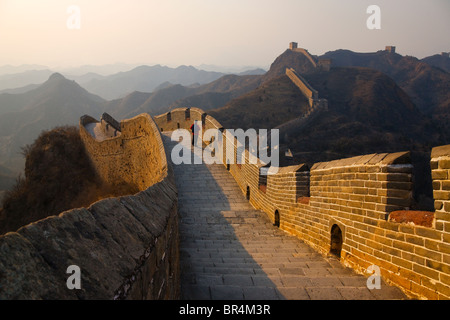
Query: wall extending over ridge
point(345, 206)
point(126, 248)
point(307, 55)
point(309, 92)
point(318, 63)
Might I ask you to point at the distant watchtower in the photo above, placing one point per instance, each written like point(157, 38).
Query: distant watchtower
point(325, 64)
point(293, 45)
point(445, 54)
point(390, 49)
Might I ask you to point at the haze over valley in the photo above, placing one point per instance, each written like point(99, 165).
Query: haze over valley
point(149, 57)
point(377, 102)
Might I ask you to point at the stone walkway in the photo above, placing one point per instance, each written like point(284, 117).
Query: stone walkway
point(230, 251)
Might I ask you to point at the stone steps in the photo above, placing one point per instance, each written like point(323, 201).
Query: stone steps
point(229, 250)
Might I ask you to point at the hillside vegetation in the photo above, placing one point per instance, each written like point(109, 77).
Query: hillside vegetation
point(208, 96)
point(57, 102)
point(276, 101)
point(439, 61)
point(377, 102)
point(426, 85)
point(58, 177)
point(367, 113)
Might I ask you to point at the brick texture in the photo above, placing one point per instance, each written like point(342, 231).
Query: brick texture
point(357, 195)
point(126, 248)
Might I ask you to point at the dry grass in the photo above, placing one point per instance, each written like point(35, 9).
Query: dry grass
point(58, 177)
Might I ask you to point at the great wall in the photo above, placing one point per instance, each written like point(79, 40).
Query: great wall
point(355, 209)
point(347, 207)
point(127, 247)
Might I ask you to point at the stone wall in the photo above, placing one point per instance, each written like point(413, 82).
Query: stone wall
point(440, 170)
point(310, 93)
point(307, 55)
point(179, 118)
point(357, 197)
point(133, 158)
point(126, 248)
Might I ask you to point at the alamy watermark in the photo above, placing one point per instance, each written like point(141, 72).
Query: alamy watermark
point(262, 147)
point(74, 20)
point(374, 20)
point(74, 280)
point(374, 281)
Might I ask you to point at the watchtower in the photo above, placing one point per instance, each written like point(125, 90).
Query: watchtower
point(390, 49)
point(293, 45)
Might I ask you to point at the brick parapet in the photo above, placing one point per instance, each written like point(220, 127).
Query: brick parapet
point(134, 158)
point(126, 248)
point(440, 170)
point(357, 195)
point(309, 92)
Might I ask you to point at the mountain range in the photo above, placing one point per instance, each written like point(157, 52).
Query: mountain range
point(116, 85)
point(428, 86)
point(377, 102)
point(23, 116)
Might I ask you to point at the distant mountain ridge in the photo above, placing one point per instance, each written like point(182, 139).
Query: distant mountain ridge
point(367, 113)
point(146, 79)
point(289, 59)
point(441, 61)
point(56, 102)
point(378, 102)
point(428, 86)
point(23, 79)
point(142, 78)
point(208, 96)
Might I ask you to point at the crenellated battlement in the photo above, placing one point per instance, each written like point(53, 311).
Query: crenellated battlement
point(343, 207)
point(126, 248)
point(357, 209)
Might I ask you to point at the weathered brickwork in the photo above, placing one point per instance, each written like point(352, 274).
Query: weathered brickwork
point(340, 207)
point(356, 196)
point(302, 84)
point(126, 248)
point(133, 157)
point(179, 119)
point(309, 92)
point(440, 169)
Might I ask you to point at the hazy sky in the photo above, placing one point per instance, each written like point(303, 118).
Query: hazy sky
point(221, 32)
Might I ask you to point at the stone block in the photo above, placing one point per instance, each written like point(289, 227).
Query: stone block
point(440, 151)
point(397, 158)
point(434, 164)
point(428, 233)
point(399, 168)
point(439, 174)
point(444, 164)
point(25, 275)
point(436, 185)
point(445, 185)
point(428, 272)
point(438, 205)
point(447, 207)
point(441, 195)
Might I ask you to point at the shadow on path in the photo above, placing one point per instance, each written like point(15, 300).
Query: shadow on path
point(230, 251)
